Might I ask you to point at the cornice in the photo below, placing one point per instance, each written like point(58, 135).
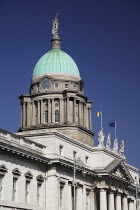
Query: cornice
point(18, 147)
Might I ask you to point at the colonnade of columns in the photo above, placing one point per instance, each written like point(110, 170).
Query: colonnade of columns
point(112, 200)
point(102, 199)
point(71, 110)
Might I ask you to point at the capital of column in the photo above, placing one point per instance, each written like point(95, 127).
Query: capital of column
point(102, 189)
point(119, 191)
point(130, 200)
point(79, 185)
point(112, 189)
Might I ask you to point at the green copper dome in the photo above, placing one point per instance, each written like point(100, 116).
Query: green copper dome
point(56, 62)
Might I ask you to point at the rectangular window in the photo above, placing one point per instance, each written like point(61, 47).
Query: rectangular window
point(61, 195)
point(56, 116)
point(38, 192)
point(46, 116)
point(14, 188)
point(27, 191)
point(56, 85)
point(87, 201)
point(66, 86)
point(1, 186)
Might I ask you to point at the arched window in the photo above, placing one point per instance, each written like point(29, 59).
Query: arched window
point(46, 116)
point(56, 116)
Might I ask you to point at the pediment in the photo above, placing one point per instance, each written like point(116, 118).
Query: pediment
point(119, 170)
point(29, 175)
point(3, 169)
point(16, 172)
point(40, 178)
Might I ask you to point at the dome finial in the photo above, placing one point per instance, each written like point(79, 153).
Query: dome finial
point(55, 39)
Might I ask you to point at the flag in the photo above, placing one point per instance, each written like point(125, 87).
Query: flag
point(112, 124)
point(98, 114)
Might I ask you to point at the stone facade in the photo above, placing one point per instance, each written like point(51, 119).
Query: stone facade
point(51, 163)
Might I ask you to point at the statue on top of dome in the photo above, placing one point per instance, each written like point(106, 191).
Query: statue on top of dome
point(55, 39)
point(55, 26)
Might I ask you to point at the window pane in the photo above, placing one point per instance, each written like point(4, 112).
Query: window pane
point(27, 191)
point(56, 116)
point(14, 188)
point(46, 116)
point(38, 192)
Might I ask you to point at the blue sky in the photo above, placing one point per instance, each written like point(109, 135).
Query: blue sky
point(103, 37)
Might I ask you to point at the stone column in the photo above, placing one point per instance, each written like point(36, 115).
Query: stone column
point(49, 111)
point(42, 112)
point(74, 110)
point(125, 203)
point(52, 111)
point(33, 113)
point(38, 112)
point(79, 198)
point(131, 205)
point(67, 110)
point(85, 116)
point(28, 113)
point(79, 113)
point(61, 110)
point(21, 115)
point(94, 200)
point(118, 202)
point(111, 202)
point(69, 196)
point(103, 200)
point(24, 113)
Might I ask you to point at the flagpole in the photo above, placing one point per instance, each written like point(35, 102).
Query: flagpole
point(101, 120)
point(115, 129)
